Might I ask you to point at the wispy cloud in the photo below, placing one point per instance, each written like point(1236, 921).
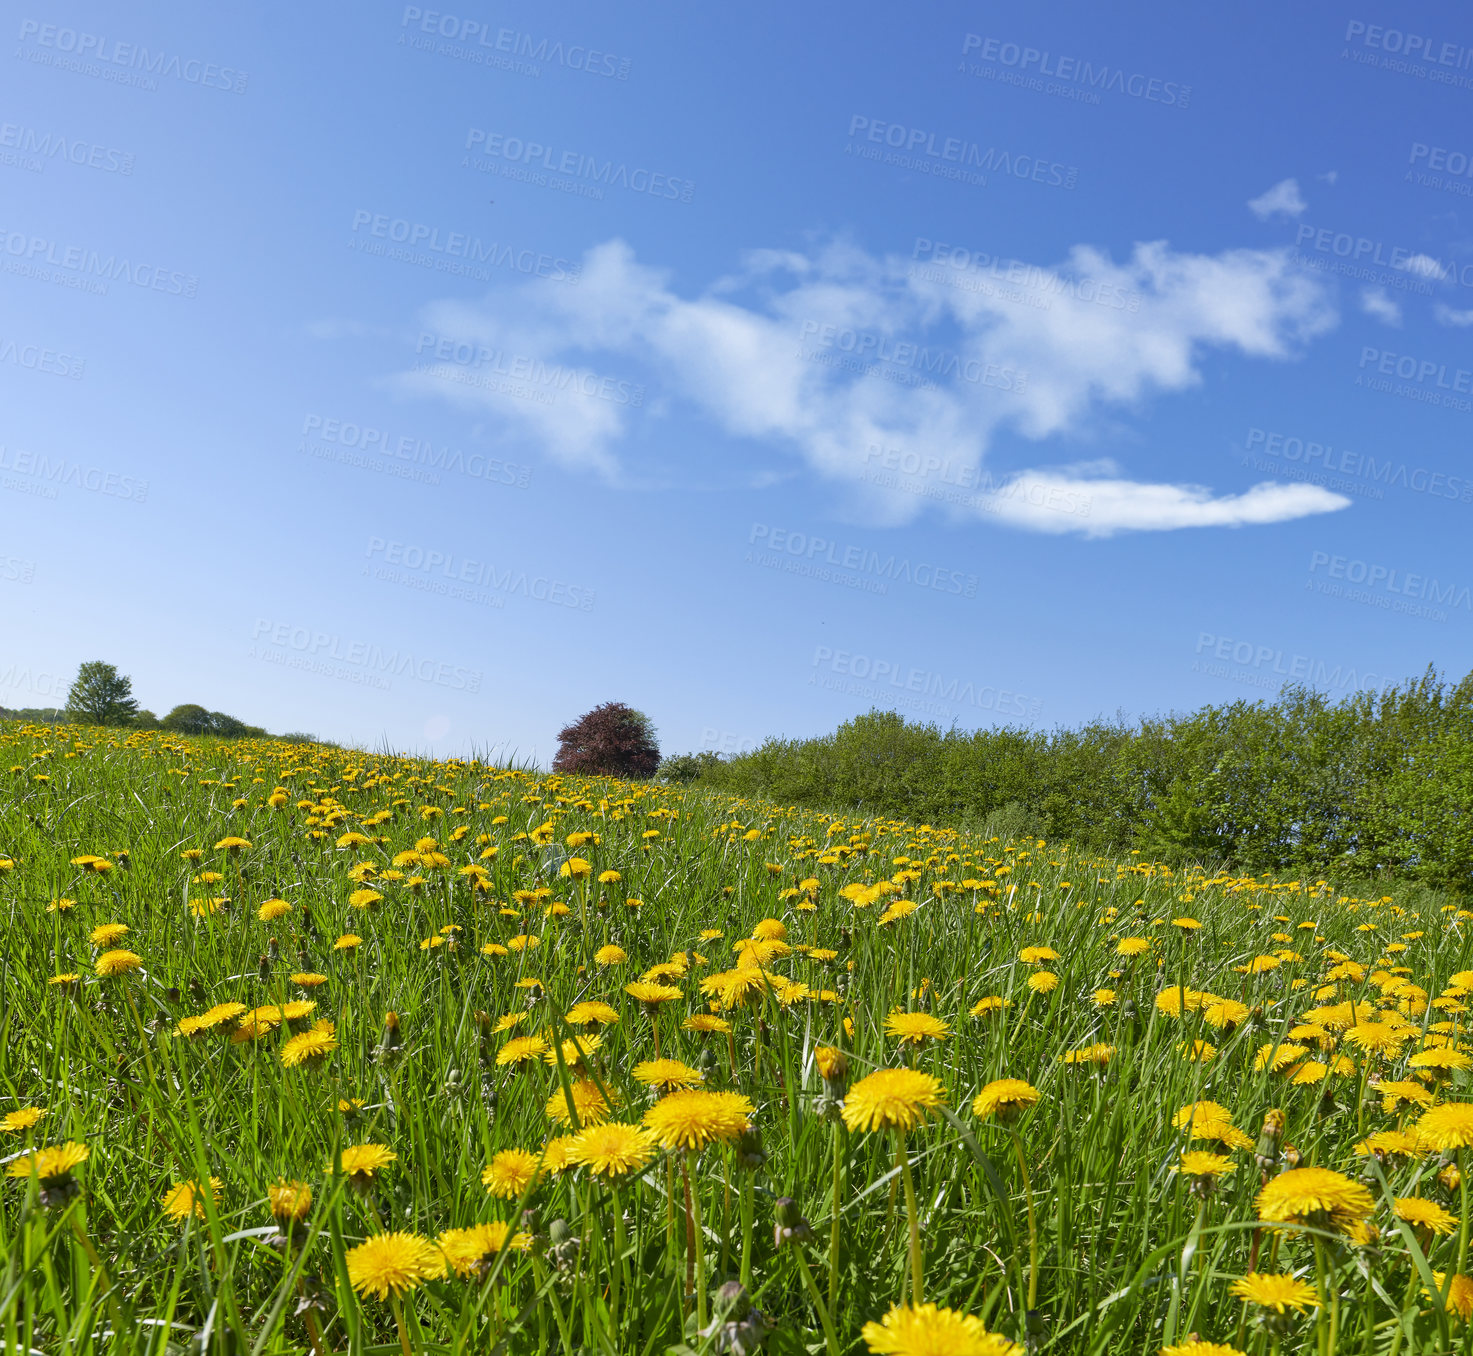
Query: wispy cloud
point(831, 352)
point(1282, 200)
point(1375, 301)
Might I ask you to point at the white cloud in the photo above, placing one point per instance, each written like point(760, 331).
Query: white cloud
point(1101, 506)
point(1374, 301)
point(835, 352)
point(1423, 265)
point(1282, 200)
point(1445, 315)
point(1329, 177)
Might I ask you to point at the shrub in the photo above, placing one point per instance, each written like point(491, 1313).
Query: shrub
point(612, 740)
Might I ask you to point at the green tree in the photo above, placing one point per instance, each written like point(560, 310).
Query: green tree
point(188, 718)
point(100, 695)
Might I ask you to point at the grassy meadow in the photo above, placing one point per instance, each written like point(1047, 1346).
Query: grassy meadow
point(311, 1050)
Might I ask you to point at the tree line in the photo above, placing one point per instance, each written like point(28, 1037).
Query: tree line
point(100, 695)
point(1372, 784)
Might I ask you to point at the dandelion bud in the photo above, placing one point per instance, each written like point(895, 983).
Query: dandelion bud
point(273, 948)
point(1450, 1177)
point(791, 1228)
point(1291, 1156)
point(1269, 1138)
point(264, 968)
point(833, 1067)
point(564, 1245)
point(749, 1152)
point(389, 1046)
point(731, 1303)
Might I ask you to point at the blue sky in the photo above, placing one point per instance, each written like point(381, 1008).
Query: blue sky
point(426, 376)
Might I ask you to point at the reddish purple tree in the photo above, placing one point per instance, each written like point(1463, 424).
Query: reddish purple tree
point(612, 740)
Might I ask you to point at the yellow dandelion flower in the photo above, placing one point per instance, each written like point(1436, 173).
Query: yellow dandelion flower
point(613, 1149)
point(113, 963)
point(1279, 1293)
point(588, 1101)
point(927, 1330)
point(892, 1098)
point(914, 1028)
point(289, 1200)
point(361, 1161)
point(692, 1118)
point(1446, 1127)
point(310, 1047)
point(1428, 1215)
point(184, 1199)
point(52, 1166)
point(1005, 1098)
point(521, 1050)
point(473, 1251)
point(509, 1173)
point(667, 1074)
point(1315, 1196)
point(393, 1263)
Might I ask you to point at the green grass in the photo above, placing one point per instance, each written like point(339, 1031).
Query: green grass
point(1128, 1259)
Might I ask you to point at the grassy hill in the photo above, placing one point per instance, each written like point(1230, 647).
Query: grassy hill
point(314, 1050)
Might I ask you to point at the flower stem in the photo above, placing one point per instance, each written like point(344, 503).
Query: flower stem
point(835, 1217)
point(398, 1308)
point(1463, 1222)
point(747, 1188)
point(698, 1247)
point(830, 1337)
point(1032, 1222)
point(916, 1283)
